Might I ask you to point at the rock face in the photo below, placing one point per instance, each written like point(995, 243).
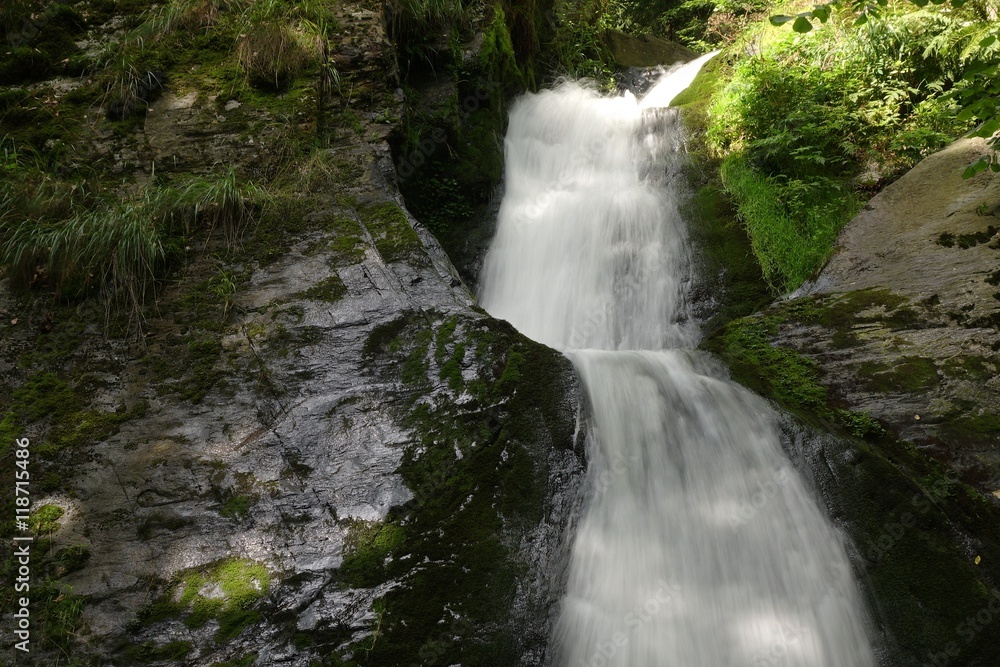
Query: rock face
point(646, 50)
point(922, 351)
point(319, 451)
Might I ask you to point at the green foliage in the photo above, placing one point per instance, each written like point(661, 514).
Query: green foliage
point(426, 31)
point(580, 47)
point(221, 200)
point(811, 121)
point(861, 425)
point(45, 520)
point(58, 612)
point(971, 42)
point(791, 225)
point(59, 236)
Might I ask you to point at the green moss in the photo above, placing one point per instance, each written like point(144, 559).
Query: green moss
point(908, 374)
point(330, 290)
point(242, 583)
point(476, 470)
point(791, 378)
point(974, 430)
point(282, 223)
point(237, 507)
point(451, 370)
point(347, 244)
point(88, 427)
point(43, 395)
point(972, 367)
point(202, 611)
point(152, 652)
point(496, 56)
point(389, 227)
point(415, 367)
point(247, 660)
point(726, 258)
point(695, 99)
point(366, 547)
point(45, 520)
point(203, 353)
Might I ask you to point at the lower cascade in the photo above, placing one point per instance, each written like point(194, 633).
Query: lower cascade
point(698, 544)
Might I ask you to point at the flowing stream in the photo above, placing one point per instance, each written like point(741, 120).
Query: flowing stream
point(698, 544)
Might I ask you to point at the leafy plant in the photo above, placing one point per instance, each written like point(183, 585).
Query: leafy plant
point(978, 54)
point(809, 122)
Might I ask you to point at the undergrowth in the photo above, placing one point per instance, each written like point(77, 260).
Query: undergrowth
point(810, 125)
point(72, 240)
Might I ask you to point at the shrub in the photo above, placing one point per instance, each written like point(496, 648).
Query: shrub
point(812, 122)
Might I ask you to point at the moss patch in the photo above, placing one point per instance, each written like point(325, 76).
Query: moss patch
point(366, 548)
point(229, 591)
point(394, 237)
point(477, 470)
point(770, 370)
point(330, 290)
point(909, 374)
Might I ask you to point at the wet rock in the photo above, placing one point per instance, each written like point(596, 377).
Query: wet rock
point(646, 50)
point(907, 319)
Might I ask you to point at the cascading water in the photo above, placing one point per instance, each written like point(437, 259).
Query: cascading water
point(698, 546)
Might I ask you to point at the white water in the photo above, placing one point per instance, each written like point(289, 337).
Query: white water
point(698, 546)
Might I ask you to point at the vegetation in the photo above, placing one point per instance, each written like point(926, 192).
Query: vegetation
point(229, 591)
point(75, 242)
point(811, 123)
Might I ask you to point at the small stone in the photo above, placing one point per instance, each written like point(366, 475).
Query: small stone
point(232, 104)
point(917, 417)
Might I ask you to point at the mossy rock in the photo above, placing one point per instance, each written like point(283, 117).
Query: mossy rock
point(478, 473)
point(646, 50)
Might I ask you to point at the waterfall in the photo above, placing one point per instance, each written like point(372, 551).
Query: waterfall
point(698, 544)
